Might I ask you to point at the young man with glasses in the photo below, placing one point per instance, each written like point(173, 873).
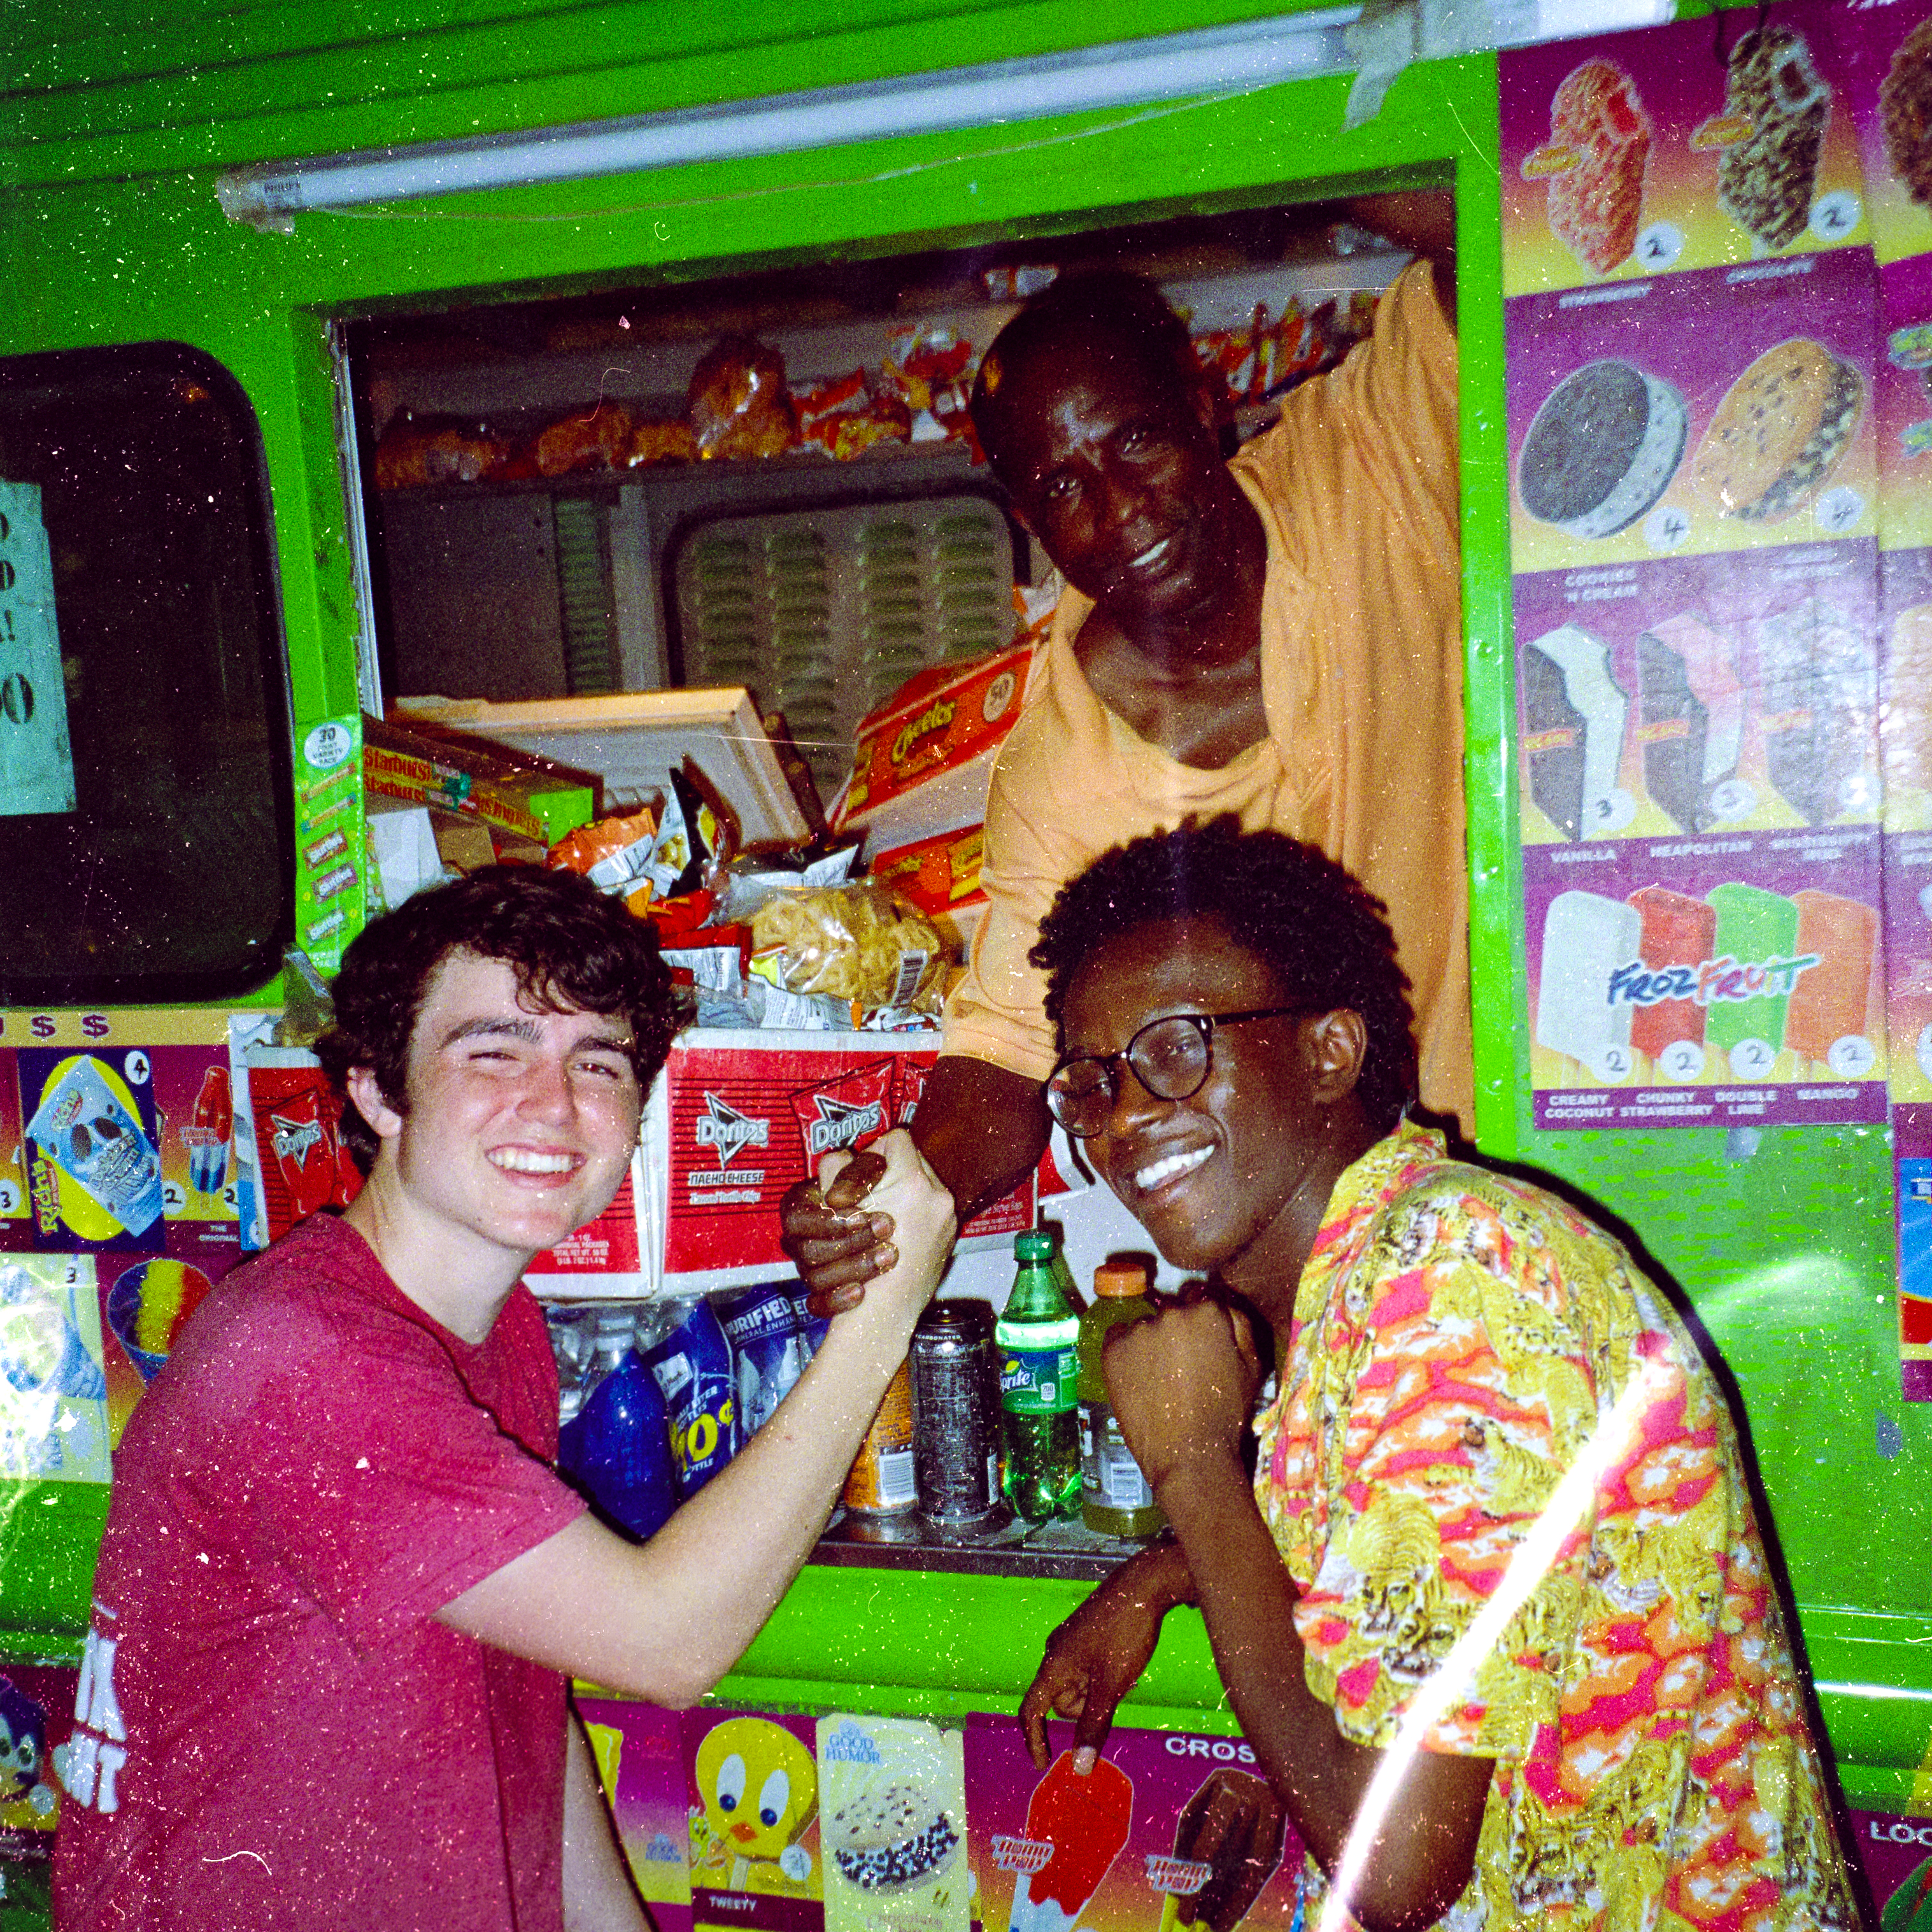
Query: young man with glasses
point(1494, 1610)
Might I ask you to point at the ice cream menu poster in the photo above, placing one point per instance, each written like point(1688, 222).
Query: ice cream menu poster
point(1722, 553)
point(1694, 545)
point(1166, 1823)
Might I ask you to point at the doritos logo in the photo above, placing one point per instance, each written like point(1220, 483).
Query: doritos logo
point(839, 1126)
point(294, 1140)
point(724, 1128)
point(845, 1112)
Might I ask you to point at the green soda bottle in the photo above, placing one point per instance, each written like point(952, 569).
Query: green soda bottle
point(1114, 1499)
point(1037, 1333)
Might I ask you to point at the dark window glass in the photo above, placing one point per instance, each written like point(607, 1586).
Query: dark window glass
point(145, 839)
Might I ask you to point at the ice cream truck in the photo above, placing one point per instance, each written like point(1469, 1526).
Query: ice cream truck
point(362, 378)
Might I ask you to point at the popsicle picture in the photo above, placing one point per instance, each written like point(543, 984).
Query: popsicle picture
point(1906, 725)
point(1599, 143)
point(1586, 938)
point(86, 1125)
point(1818, 699)
point(208, 1133)
point(1828, 1021)
point(1753, 925)
point(1677, 931)
point(1076, 1828)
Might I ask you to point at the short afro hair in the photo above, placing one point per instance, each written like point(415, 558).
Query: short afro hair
point(568, 944)
point(1321, 935)
point(1104, 312)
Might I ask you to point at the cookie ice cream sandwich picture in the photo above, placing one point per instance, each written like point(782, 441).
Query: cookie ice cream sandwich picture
point(893, 1826)
point(1602, 449)
point(1781, 431)
point(891, 1835)
point(1905, 111)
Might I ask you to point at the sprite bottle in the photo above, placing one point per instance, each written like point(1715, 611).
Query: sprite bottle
point(1037, 1335)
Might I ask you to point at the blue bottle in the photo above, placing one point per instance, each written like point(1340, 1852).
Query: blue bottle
point(616, 1449)
point(694, 1371)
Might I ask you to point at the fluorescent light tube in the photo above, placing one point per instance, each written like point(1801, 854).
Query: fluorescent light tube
point(1221, 60)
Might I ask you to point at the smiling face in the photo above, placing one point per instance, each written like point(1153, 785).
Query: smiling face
point(1113, 463)
point(519, 1124)
point(1234, 1179)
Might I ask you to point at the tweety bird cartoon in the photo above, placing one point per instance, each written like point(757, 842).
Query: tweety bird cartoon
point(759, 1789)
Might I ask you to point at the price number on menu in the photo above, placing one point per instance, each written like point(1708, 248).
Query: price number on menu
point(1659, 246)
point(1752, 1059)
point(1834, 216)
point(1852, 1057)
point(1611, 1064)
point(1839, 510)
point(1666, 529)
point(1682, 1060)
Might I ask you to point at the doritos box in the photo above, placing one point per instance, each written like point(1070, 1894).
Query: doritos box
point(738, 1116)
point(300, 1156)
point(920, 763)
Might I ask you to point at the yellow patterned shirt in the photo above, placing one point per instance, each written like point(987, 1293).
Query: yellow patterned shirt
point(1490, 1423)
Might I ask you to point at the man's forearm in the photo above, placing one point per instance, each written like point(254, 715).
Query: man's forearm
point(981, 1128)
point(1238, 1579)
point(1418, 1849)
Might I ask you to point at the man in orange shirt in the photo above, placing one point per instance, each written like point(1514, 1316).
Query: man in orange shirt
point(1278, 636)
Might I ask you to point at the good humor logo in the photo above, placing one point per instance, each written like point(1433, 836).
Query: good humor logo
point(1710, 983)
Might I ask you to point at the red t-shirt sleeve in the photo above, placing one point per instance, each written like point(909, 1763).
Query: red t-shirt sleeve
point(377, 1484)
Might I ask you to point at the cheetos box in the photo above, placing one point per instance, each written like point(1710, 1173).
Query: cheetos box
point(920, 763)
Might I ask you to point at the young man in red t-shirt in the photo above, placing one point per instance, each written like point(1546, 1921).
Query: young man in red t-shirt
point(342, 1588)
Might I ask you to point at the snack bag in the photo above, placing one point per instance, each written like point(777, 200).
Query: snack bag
point(848, 416)
point(611, 853)
point(855, 942)
point(737, 404)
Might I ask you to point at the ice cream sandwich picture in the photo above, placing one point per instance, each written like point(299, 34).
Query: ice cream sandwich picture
point(1776, 100)
point(1602, 449)
point(890, 1835)
point(1779, 431)
point(1905, 113)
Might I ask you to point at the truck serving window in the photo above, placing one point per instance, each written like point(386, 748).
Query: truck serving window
point(146, 838)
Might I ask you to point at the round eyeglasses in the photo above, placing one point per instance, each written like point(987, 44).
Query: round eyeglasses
point(1171, 1057)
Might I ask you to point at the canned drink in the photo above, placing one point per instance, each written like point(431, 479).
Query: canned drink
point(956, 1414)
point(880, 1482)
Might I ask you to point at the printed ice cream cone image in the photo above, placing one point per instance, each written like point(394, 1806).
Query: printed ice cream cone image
point(1076, 1827)
point(147, 1305)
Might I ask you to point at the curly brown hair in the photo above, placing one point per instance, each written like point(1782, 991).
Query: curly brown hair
point(569, 944)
